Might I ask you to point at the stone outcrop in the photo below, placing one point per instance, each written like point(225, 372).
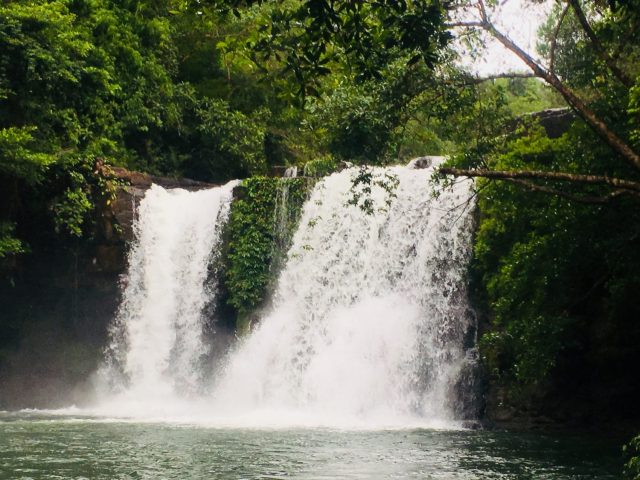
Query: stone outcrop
point(419, 163)
point(555, 121)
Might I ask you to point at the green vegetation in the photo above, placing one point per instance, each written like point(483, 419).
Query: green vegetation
point(215, 90)
point(632, 452)
point(552, 268)
point(197, 90)
point(556, 260)
point(212, 94)
point(262, 221)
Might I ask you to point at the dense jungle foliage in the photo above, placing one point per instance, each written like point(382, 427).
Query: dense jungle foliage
point(557, 261)
point(218, 90)
point(178, 89)
point(261, 224)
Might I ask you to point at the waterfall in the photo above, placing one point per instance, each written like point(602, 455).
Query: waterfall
point(369, 324)
point(370, 317)
point(157, 343)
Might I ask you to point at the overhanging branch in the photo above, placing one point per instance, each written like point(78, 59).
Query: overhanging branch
point(617, 183)
point(464, 25)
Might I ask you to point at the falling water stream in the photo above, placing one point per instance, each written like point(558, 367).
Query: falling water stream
point(370, 315)
point(157, 347)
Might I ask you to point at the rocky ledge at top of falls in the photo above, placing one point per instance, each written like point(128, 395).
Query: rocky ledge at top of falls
point(140, 182)
point(122, 210)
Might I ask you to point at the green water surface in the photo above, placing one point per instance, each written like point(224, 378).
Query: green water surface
point(44, 447)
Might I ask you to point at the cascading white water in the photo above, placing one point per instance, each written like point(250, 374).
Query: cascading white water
point(370, 315)
point(157, 339)
point(368, 324)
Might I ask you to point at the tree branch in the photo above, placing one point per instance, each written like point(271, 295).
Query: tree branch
point(554, 39)
point(559, 193)
point(598, 47)
point(476, 80)
point(617, 183)
point(589, 116)
point(464, 25)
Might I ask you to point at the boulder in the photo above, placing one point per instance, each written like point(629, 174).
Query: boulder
point(555, 121)
point(424, 162)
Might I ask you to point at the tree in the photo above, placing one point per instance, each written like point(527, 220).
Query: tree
point(614, 74)
point(84, 80)
point(555, 273)
point(367, 34)
point(312, 33)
